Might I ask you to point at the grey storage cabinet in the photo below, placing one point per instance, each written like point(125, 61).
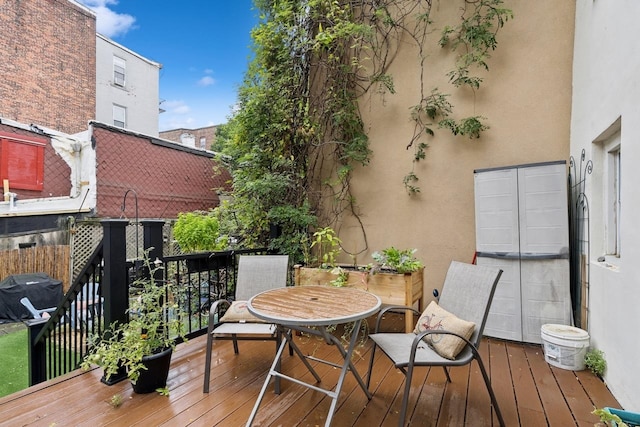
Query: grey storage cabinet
point(522, 227)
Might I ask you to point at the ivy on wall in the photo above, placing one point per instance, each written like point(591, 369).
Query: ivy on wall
point(297, 134)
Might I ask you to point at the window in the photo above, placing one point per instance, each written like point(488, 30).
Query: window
point(607, 206)
point(203, 142)
point(119, 116)
point(613, 198)
point(22, 161)
point(119, 71)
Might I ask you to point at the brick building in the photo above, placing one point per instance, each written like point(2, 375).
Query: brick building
point(48, 67)
point(202, 138)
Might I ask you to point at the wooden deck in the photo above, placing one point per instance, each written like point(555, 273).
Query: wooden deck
point(529, 391)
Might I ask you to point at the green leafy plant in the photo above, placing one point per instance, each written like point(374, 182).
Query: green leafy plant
point(163, 391)
point(608, 419)
point(342, 277)
point(298, 134)
point(327, 244)
point(116, 400)
point(199, 231)
point(401, 261)
point(154, 323)
point(594, 361)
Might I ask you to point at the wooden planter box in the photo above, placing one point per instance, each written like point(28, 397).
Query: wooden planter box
point(391, 288)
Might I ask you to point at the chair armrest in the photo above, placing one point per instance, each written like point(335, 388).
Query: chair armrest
point(419, 339)
point(390, 308)
point(214, 309)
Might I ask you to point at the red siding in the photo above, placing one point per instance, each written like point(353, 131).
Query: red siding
point(166, 180)
point(56, 177)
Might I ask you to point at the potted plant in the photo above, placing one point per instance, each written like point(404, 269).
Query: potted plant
point(143, 346)
point(396, 260)
point(199, 231)
point(396, 276)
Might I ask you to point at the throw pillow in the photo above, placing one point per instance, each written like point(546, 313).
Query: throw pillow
point(238, 312)
point(435, 317)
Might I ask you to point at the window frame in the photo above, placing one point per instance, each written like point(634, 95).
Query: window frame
point(613, 197)
point(123, 109)
point(119, 71)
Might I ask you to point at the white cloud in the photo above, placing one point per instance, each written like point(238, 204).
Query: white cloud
point(108, 22)
point(206, 81)
point(176, 107)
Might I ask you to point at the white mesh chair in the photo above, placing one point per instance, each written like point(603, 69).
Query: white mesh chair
point(256, 273)
point(467, 294)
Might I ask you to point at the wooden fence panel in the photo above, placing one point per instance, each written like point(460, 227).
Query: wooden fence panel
point(52, 260)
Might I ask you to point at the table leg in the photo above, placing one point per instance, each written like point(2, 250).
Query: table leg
point(334, 394)
point(275, 366)
point(347, 365)
point(289, 337)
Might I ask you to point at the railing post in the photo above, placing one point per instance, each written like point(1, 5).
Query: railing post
point(152, 238)
point(115, 279)
point(153, 242)
point(37, 352)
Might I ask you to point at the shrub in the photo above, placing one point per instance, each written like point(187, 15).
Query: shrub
point(198, 231)
point(594, 360)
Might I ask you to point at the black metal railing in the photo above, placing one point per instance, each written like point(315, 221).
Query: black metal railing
point(203, 278)
point(101, 294)
point(58, 344)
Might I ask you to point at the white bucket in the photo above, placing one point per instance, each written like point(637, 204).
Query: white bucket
point(564, 346)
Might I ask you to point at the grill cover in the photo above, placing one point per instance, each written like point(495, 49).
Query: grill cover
point(42, 290)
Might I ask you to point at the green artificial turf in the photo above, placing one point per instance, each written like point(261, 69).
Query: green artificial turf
point(14, 362)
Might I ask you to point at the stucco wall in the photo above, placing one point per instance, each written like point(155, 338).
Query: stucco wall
point(526, 97)
point(140, 95)
point(606, 94)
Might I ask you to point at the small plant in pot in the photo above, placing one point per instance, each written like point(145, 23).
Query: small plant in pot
point(397, 260)
point(146, 342)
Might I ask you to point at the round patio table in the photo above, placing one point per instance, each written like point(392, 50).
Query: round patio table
point(312, 309)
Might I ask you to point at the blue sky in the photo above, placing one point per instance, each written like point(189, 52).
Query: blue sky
point(203, 46)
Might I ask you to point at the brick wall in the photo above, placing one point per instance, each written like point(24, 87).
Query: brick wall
point(48, 66)
point(167, 178)
point(209, 133)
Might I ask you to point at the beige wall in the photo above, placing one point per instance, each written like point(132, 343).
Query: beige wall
point(526, 97)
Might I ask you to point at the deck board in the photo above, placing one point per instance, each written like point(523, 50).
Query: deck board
point(529, 391)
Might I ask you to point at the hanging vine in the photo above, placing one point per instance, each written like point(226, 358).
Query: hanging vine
point(298, 133)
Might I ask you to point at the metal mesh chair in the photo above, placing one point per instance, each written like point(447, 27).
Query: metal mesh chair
point(467, 293)
point(256, 273)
